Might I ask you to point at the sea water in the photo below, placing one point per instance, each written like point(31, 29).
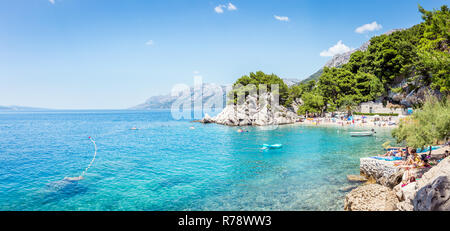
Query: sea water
point(167, 166)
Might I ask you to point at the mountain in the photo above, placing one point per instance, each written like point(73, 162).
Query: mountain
point(21, 108)
point(291, 82)
point(165, 101)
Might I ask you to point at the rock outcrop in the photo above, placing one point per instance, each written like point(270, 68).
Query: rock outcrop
point(341, 59)
point(384, 172)
point(371, 197)
point(429, 193)
point(254, 112)
point(433, 189)
point(434, 196)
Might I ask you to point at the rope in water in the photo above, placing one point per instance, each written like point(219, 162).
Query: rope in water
point(93, 159)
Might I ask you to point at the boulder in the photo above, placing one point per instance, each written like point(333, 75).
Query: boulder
point(371, 197)
point(254, 112)
point(442, 169)
point(392, 180)
point(408, 192)
point(434, 197)
point(207, 119)
point(405, 206)
point(384, 172)
point(431, 192)
point(356, 178)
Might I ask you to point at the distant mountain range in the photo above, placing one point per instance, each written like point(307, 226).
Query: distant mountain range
point(21, 108)
point(166, 101)
point(206, 94)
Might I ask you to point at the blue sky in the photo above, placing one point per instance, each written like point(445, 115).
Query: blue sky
point(103, 54)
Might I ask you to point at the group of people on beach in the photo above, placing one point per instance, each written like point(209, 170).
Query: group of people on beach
point(351, 120)
point(412, 162)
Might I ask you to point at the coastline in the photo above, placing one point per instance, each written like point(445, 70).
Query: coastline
point(344, 125)
point(385, 188)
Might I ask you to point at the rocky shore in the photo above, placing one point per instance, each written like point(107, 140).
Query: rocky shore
point(254, 112)
point(429, 193)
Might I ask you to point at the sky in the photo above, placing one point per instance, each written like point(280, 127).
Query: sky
point(103, 54)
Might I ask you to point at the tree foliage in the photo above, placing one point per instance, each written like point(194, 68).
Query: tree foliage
point(418, 56)
point(252, 82)
point(312, 103)
point(427, 125)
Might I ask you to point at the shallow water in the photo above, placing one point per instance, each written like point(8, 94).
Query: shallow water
point(167, 166)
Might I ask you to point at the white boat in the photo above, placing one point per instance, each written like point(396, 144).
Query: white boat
point(355, 134)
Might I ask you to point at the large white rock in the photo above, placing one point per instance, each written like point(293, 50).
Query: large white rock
point(372, 197)
point(379, 170)
point(433, 189)
point(254, 112)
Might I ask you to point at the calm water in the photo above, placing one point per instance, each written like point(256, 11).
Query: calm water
point(167, 166)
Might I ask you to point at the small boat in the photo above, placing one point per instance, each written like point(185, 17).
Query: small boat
point(273, 146)
point(358, 134)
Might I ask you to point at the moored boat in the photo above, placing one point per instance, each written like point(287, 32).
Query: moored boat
point(358, 134)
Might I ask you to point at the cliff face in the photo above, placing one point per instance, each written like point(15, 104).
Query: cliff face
point(341, 59)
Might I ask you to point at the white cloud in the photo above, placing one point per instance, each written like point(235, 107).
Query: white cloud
point(281, 18)
point(339, 48)
point(149, 43)
point(52, 1)
point(218, 9)
point(368, 27)
point(231, 7)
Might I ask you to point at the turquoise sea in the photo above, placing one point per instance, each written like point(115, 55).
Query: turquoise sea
point(167, 166)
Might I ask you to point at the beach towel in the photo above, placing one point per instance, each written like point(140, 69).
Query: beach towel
point(387, 158)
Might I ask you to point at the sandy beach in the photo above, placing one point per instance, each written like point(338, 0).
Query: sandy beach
point(358, 122)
